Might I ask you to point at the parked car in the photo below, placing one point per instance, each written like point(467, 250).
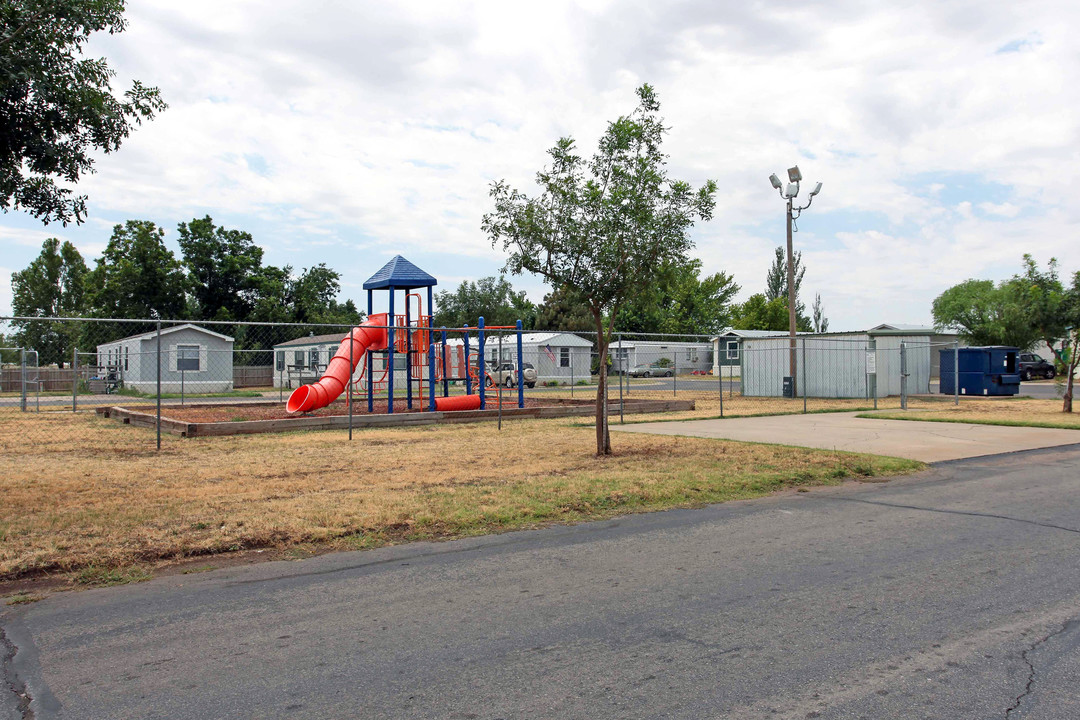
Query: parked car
point(506, 374)
point(1032, 365)
point(652, 370)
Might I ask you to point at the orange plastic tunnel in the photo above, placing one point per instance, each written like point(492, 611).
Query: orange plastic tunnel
point(369, 335)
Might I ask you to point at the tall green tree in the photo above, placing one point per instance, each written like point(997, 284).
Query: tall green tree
point(564, 310)
point(681, 302)
point(137, 276)
point(57, 108)
point(52, 285)
point(494, 298)
point(605, 226)
point(776, 279)
point(1045, 302)
point(985, 313)
point(760, 313)
point(223, 268)
point(313, 297)
point(821, 323)
point(776, 285)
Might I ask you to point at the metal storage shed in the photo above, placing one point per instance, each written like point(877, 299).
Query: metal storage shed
point(838, 365)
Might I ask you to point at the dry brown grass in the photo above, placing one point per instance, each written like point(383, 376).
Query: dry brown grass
point(83, 492)
point(1028, 412)
point(708, 405)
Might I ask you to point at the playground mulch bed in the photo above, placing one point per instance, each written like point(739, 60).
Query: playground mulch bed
point(249, 412)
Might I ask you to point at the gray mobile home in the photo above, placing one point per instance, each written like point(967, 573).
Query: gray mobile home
point(192, 357)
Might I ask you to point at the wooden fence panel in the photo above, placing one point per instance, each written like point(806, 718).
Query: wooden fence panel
point(245, 376)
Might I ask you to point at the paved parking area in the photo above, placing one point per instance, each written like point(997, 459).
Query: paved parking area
point(924, 441)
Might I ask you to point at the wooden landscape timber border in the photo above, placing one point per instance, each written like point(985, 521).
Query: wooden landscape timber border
point(563, 408)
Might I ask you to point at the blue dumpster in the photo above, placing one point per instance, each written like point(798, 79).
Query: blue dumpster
point(987, 370)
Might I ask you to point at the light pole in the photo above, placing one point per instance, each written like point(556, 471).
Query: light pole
point(789, 194)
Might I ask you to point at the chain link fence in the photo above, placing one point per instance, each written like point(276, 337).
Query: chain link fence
point(129, 382)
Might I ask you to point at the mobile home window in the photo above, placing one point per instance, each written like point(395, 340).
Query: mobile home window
point(564, 357)
point(280, 359)
point(314, 357)
point(126, 349)
point(298, 358)
point(733, 350)
point(187, 358)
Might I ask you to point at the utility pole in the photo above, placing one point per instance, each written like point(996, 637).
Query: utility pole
point(789, 194)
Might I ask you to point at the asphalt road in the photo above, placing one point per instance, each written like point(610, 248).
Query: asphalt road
point(952, 594)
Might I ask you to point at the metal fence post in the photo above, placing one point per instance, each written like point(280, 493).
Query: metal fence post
point(903, 375)
point(804, 375)
point(871, 372)
point(498, 388)
point(521, 368)
point(22, 378)
point(675, 374)
point(956, 371)
point(158, 422)
point(75, 380)
point(572, 358)
point(352, 368)
point(622, 370)
point(720, 377)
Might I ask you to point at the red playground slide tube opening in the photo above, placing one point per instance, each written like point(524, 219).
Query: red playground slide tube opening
point(369, 335)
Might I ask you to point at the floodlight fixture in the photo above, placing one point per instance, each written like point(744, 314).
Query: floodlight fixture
point(775, 181)
point(793, 174)
point(792, 190)
point(816, 190)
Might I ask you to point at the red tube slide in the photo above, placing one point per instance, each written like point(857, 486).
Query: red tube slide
point(363, 338)
point(458, 402)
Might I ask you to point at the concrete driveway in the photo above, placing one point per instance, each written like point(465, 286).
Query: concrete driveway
point(924, 441)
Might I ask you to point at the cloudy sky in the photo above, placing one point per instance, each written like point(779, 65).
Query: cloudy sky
point(945, 133)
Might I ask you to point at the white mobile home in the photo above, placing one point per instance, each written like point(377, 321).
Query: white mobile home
point(192, 357)
point(557, 356)
point(683, 356)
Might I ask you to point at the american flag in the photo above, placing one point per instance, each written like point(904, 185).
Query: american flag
point(547, 349)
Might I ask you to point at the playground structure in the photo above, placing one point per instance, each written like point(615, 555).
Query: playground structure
point(432, 358)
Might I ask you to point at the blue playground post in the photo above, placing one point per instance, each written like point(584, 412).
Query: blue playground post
point(468, 377)
point(390, 357)
point(445, 382)
point(521, 370)
point(481, 372)
point(370, 364)
point(431, 353)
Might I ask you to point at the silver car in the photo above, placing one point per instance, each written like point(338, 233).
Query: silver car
point(506, 374)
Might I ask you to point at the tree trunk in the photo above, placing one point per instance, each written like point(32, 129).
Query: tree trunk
point(1070, 367)
point(603, 437)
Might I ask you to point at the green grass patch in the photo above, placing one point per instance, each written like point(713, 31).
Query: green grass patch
point(96, 576)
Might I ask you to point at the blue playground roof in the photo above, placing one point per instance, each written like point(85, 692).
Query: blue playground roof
point(399, 273)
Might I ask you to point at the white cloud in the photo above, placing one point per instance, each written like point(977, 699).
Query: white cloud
point(1006, 209)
